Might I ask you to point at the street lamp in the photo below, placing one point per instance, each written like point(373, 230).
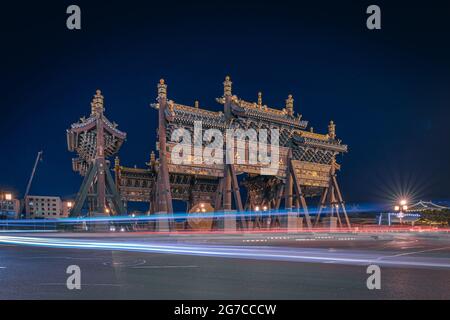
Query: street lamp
point(401, 208)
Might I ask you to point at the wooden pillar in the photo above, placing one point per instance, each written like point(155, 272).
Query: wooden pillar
point(288, 190)
point(247, 203)
point(298, 190)
point(229, 222)
point(236, 190)
point(227, 174)
point(219, 195)
point(165, 196)
point(288, 193)
point(100, 159)
point(341, 201)
point(279, 196)
point(321, 205)
point(227, 189)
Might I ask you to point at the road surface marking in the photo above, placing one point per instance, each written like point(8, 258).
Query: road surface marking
point(84, 284)
point(414, 252)
point(163, 267)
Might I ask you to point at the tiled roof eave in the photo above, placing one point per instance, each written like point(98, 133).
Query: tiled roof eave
point(261, 115)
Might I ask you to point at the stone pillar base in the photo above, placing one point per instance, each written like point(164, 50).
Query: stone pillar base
point(329, 223)
point(162, 223)
point(98, 226)
point(229, 221)
point(294, 222)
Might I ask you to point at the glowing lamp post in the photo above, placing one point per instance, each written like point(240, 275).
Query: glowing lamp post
point(401, 208)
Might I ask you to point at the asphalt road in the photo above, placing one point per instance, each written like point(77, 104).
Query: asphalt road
point(413, 266)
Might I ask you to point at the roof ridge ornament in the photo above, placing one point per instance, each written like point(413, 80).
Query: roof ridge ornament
point(152, 157)
point(162, 89)
point(260, 100)
point(227, 87)
point(332, 130)
point(290, 105)
point(97, 104)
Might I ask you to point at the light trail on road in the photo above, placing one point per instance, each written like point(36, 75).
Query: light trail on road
point(311, 255)
point(312, 211)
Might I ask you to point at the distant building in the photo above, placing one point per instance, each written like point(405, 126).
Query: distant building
point(425, 205)
point(9, 207)
point(46, 207)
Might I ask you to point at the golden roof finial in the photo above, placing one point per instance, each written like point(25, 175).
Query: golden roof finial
point(196, 104)
point(290, 105)
point(227, 87)
point(162, 89)
point(97, 106)
point(332, 130)
point(117, 161)
point(152, 157)
point(260, 100)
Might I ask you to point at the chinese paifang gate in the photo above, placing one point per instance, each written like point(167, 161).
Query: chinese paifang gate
point(307, 169)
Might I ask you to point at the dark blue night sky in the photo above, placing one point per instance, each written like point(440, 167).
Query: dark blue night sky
point(387, 90)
